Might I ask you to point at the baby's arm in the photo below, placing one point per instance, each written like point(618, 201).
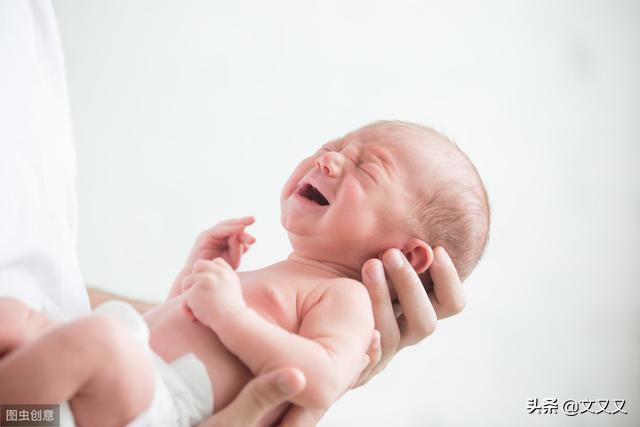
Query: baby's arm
point(329, 348)
point(333, 338)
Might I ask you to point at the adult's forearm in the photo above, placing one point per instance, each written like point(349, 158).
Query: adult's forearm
point(98, 296)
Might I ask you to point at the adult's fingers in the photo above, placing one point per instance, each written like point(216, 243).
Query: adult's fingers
point(258, 397)
point(374, 354)
point(298, 416)
point(418, 319)
point(447, 295)
point(385, 321)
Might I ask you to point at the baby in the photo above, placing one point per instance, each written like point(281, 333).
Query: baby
point(388, 184)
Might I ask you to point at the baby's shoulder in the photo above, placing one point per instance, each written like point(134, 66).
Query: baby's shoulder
point(340, 290)
point(344, 284)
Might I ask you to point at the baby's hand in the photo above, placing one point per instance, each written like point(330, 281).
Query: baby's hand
point(212, 291)
point(227, 240)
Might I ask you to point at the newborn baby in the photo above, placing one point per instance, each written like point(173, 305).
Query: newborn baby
point(388, 184)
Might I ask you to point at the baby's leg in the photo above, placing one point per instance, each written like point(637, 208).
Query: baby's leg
point(91, 362)
point(20, 324)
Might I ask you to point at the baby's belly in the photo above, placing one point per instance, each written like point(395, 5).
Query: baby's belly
point(173, 334)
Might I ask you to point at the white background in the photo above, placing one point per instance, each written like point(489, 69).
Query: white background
point(186, 113)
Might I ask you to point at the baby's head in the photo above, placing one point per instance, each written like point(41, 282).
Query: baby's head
point(388, 184)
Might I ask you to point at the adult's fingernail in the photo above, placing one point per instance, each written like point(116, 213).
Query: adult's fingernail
point(288, 382)
point(441, 257)
point(375, 273)
point(394, 259)
point(284, 383)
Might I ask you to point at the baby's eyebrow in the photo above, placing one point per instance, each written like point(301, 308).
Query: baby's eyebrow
point(332, 144)
point(383, 158)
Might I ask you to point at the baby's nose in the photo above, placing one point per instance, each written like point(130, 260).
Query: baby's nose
point(330, 163)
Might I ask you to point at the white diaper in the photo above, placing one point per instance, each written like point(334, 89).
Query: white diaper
point(183, 395)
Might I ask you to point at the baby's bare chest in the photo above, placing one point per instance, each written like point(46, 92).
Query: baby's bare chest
point(279, 299)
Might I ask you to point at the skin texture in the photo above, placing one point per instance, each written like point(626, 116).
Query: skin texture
point(268, 391)
point(86, 362)
point(333, 323)
point(321, 326)
point(361, 178)
point(366, 178)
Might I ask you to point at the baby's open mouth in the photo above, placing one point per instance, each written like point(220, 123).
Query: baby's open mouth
point(310, 192)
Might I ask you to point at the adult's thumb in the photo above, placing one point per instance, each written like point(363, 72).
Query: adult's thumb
point(259, 396)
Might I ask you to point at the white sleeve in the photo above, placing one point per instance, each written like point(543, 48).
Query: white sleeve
point(38, 259)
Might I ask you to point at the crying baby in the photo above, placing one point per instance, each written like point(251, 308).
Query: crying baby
point(388, 184)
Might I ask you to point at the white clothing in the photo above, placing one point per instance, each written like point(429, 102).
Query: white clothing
point(38, 259)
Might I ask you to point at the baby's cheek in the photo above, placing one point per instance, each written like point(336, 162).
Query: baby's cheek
point(295, 177)
point(359, 215)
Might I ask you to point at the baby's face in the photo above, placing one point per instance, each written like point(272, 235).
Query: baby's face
point(345, 202)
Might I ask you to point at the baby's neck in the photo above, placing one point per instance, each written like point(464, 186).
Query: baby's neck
point(326, 268)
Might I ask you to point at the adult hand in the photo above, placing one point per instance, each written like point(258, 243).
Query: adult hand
point(258, 397)
point(398, 324)
point(413, 317)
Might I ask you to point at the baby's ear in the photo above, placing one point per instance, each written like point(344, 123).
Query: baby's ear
point(419, 254)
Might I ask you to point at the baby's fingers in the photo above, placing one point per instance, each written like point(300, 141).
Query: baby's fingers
point(247, 220)
point(232, 225)
point(235, 251)
point(224, 231)
point(190, 280)
point(220, 264)
point(187, 310)
point(246, 238)
point(187, 283)
point(238, 244)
